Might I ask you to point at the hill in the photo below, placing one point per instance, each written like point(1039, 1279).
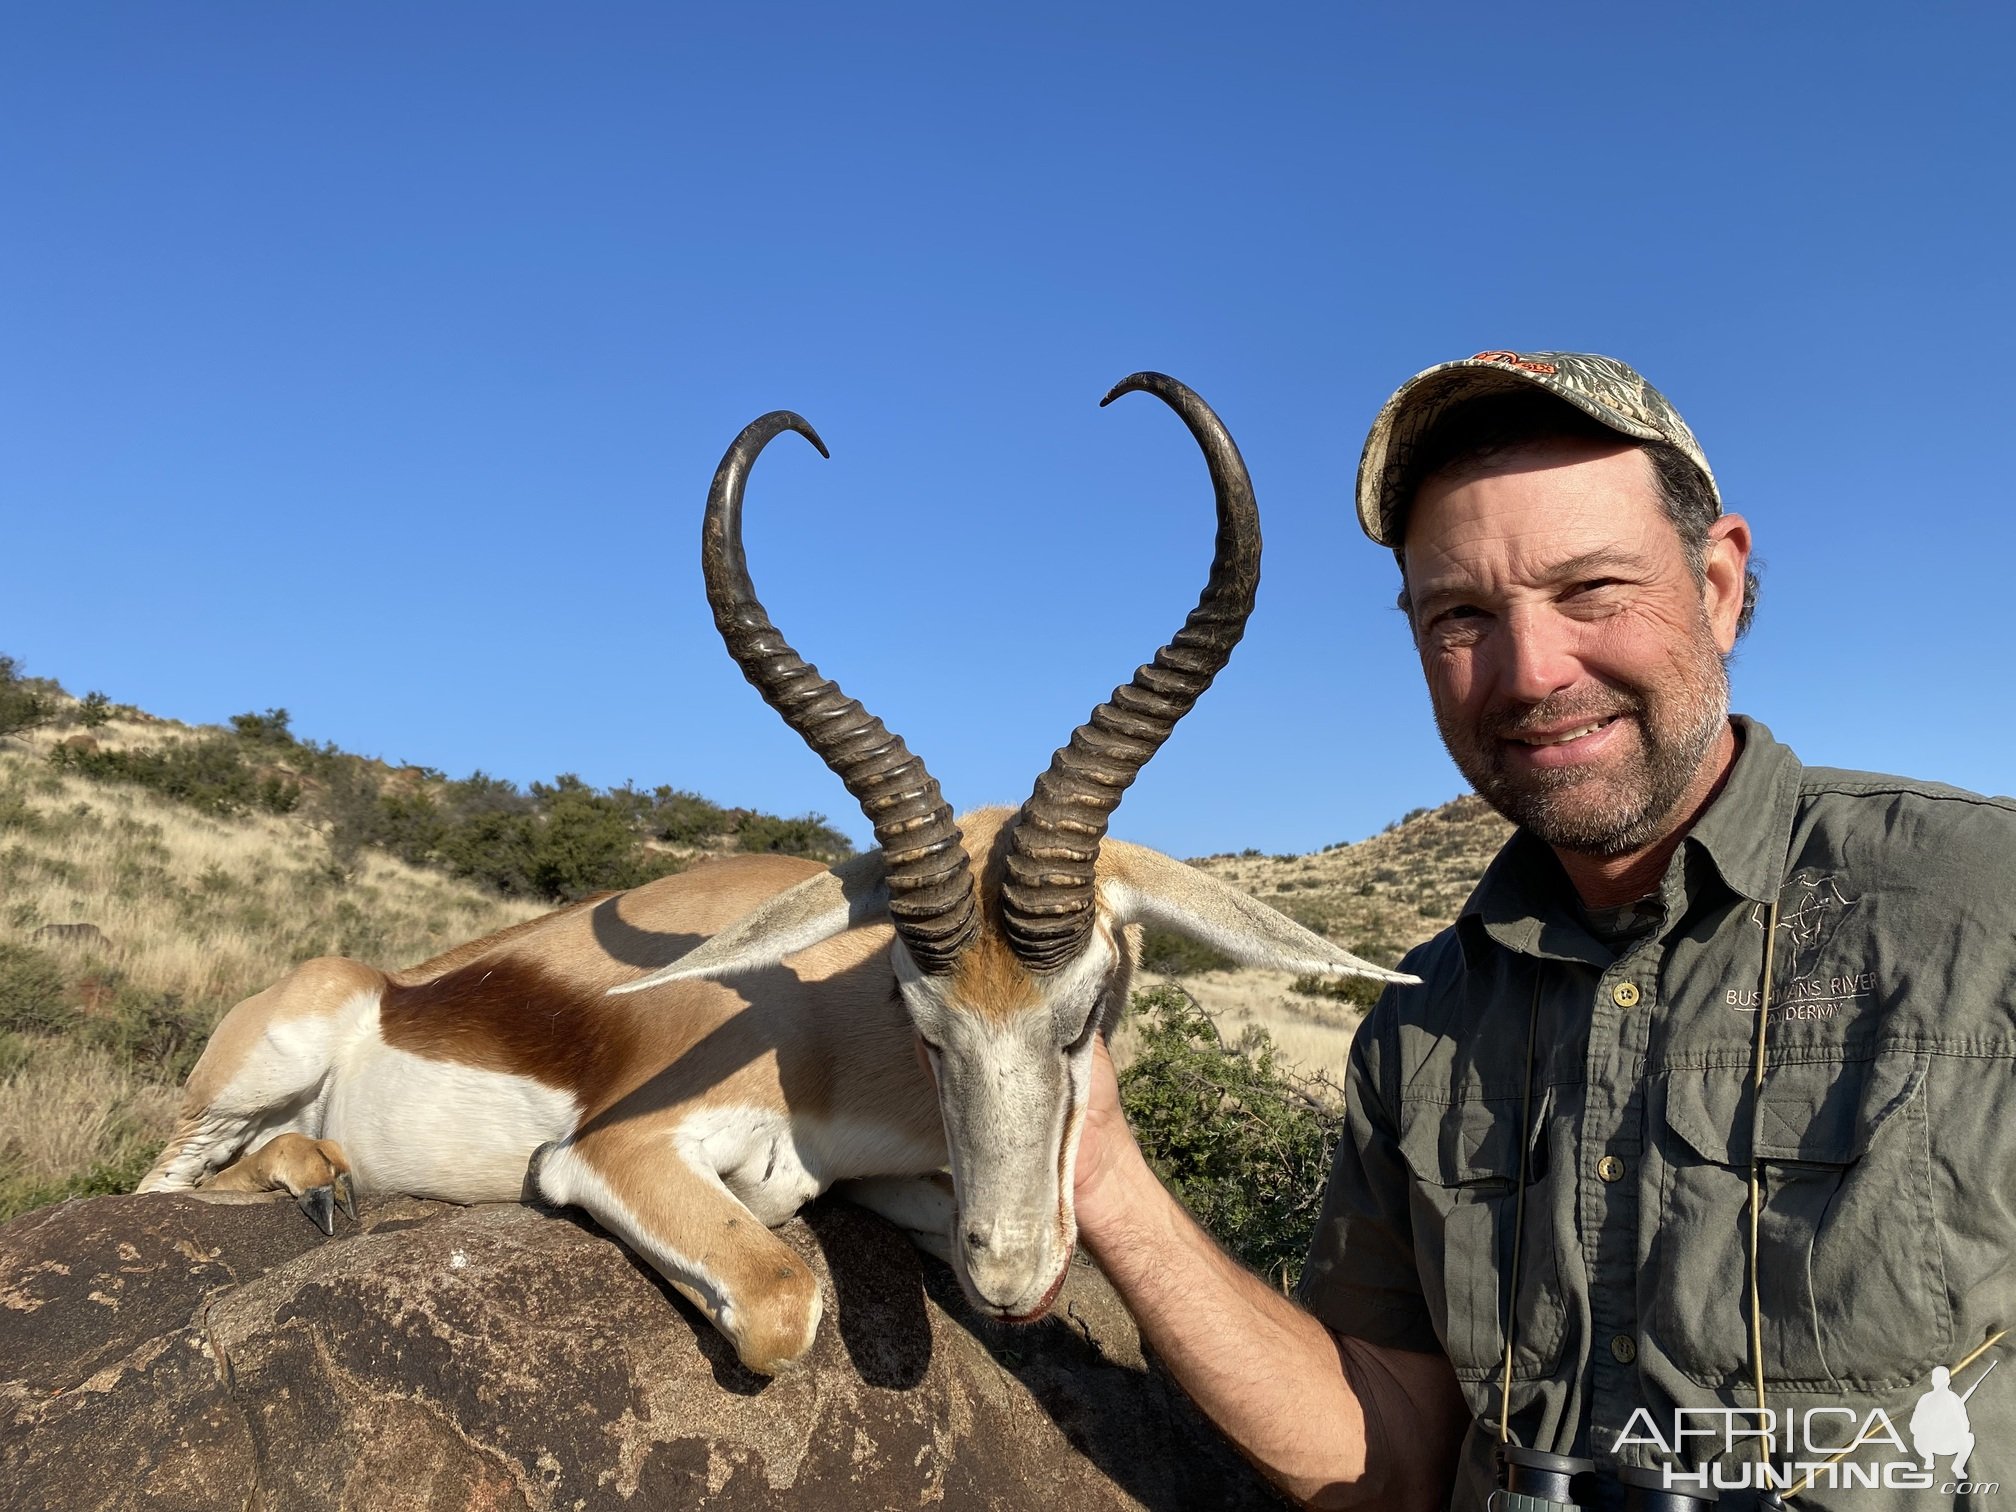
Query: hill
point(1379, 898)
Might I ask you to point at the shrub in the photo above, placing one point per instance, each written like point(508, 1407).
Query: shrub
point(210, 774)
point(31, 990)
point(26, 703)
point(93, 710)
point(1242, 1143)
point(153, 1032)
point(682, 818)
point(807, 835)
point(1177, 955)
point(1343, 989)
point(585, 845)
point(269, 728)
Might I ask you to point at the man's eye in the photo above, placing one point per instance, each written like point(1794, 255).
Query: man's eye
point(1459, 625)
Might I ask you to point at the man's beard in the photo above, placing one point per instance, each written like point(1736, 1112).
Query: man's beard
point(1628, 804)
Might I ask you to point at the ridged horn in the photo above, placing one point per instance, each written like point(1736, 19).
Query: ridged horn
point(931, 896)
point(1046, 897)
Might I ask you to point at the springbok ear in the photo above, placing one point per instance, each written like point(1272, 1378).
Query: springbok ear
point(1142, 886)
point(852, 893)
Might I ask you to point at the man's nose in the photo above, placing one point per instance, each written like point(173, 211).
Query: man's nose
point(1536, 656)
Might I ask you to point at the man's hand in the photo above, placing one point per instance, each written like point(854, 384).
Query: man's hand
point(1107, 1153)
point(1333, 1421)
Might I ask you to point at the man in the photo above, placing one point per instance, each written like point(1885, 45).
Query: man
point(1540, 1225)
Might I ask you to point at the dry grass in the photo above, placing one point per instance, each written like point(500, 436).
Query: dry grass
point(73, 1107)
point(211, 909)
point(1312, 1036)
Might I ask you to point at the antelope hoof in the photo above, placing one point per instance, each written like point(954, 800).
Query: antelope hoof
point(774, 1338)
point(319, 1203)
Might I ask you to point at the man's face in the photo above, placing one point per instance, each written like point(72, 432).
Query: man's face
point(1574, 660)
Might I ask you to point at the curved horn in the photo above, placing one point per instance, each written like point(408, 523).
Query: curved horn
point(1046, 898)
point(930, 878)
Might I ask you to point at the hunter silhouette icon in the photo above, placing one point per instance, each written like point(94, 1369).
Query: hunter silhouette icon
point(1939, 1423)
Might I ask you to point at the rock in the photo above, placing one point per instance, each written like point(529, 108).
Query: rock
point(168, 1353)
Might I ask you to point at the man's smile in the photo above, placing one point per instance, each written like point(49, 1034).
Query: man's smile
point(1564, 745)
point(1562, 737)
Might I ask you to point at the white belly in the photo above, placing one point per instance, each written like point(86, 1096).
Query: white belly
point(431, 1128)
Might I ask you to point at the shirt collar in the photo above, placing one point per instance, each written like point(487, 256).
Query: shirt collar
point(1525, 903)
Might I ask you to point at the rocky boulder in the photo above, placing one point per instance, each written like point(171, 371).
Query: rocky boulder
point(167, 1353)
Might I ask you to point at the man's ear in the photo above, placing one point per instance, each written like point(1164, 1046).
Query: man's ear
point(1724, 565)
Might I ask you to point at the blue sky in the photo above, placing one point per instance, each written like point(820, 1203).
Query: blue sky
point(373, 360)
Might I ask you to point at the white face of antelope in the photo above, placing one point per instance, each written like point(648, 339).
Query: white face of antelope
point(1012, 1054)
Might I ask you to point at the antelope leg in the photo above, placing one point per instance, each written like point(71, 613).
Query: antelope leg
point(696, 1234)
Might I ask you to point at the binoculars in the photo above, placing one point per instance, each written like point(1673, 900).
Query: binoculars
point(1530, 1480)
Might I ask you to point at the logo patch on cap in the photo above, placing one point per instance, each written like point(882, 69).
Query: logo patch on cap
point(1513, 359)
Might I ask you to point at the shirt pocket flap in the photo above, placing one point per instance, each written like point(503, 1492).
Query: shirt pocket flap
point(1821, 1112)
point(1466, 1144)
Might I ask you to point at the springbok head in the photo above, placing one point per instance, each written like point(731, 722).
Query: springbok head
point(1008, 947)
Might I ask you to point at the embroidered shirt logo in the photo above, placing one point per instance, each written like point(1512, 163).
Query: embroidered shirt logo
point(1811, 908)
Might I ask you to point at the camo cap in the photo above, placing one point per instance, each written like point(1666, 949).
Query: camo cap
point(1601, 387)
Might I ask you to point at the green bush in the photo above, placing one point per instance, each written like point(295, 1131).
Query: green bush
point(584, 844)
point(32, 991)
point(1342, 989)
point(93, 710)
point(269, 728)
point(682, 818)
point(807, 835)
point(210, 774)
point(1243, 1143)
point(25, 702)
point(1177, 955)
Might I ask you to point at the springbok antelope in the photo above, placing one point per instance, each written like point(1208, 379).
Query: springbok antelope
point(693, 1060)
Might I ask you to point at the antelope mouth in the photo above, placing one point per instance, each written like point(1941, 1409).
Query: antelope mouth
point(1048, 1299)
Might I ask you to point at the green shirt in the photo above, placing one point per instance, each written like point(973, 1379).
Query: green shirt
point(1884, 1136)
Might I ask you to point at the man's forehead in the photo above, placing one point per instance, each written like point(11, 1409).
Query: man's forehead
point(1539, 514)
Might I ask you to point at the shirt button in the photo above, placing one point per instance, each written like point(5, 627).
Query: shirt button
point(1623, 1349)
point(1610, 1168)
point(1625, 994)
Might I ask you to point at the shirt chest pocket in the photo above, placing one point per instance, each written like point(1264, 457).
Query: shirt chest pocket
point(1850, 1274)
point(1465, 1159)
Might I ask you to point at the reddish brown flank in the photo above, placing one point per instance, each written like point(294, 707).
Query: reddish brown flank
point(511, 1015)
